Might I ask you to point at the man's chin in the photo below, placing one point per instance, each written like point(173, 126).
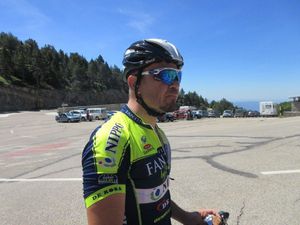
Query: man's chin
point(170, 107)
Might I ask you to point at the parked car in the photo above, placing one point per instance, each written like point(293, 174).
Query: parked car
point(67, 117)
point(97, 113)
point(180, 114)
point(200, 113)
point(227, 113)
point(240, 113)
point(110, 113)
point(203, 113)
point(168, 117)
point(253, 113)
point(81, 113)
point(213, 114)
point(196, 114)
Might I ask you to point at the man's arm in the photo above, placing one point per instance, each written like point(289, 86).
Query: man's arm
point(110, 211)
point(190, 218)
point(184, 217)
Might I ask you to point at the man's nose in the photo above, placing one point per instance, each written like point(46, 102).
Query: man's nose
point(175, 85)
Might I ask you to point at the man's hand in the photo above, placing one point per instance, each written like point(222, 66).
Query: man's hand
point(205, 212)
point(197, 218)
point(193, 218)
point(215, 217)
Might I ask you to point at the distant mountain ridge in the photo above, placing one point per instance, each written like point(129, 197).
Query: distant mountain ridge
point(253, 105)
point(250, 105)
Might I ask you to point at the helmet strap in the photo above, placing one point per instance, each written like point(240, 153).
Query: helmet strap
point(140, 100)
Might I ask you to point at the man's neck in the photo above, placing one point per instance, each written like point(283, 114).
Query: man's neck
point(141, 112)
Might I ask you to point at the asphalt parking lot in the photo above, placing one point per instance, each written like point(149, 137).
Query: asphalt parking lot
point(247, 166)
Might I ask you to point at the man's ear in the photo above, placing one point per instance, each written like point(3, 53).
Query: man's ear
point(131, 80)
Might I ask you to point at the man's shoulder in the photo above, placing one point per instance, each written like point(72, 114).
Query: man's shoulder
point(111, 139)
point(118, 125)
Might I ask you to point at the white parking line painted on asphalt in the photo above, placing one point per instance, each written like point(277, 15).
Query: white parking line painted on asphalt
point(279, 172)
point(27, 136)
point(39, 179)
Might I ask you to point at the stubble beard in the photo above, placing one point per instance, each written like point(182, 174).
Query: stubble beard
point(169, 106)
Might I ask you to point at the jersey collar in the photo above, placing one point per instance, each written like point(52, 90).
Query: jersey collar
point(127, 111)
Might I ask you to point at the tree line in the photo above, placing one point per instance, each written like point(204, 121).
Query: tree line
point(25, 64)
point(193, 99)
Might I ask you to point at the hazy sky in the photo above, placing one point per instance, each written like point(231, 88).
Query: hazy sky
point(233, 49)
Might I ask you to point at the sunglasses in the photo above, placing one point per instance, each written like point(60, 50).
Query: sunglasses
point(166, 75)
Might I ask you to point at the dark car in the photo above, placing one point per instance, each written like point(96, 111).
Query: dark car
point(253, 114)
point(213, 114)
point(68, 117)
point(168, 117)
point(240, 113)
point(200, 114)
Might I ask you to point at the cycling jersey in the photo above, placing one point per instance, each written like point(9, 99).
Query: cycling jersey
point(125, 155)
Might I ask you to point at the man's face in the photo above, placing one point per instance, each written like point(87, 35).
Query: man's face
point(156, 94)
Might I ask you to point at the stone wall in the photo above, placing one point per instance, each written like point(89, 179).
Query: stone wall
point(20, 98)
point(290, 113)
point(296, 106)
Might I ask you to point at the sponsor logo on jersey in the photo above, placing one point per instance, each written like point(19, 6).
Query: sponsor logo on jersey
point(163, 204)
point(143, 139)
point(152, 195)
point(159, 191)
point(107, 162)
point(107, 179)
point(148, 148)
point(107, 191)
point(114, 138)
point(156, 165)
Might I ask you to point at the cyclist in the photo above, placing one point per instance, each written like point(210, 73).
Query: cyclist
point(127, 161)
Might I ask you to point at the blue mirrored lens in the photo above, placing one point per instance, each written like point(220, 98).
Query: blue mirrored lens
point(168, 76)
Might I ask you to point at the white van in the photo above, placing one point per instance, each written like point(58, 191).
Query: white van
point(97, 113)
point(268, 109)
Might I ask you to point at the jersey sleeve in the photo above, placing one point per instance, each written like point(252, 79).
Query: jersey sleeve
point(105, 162)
